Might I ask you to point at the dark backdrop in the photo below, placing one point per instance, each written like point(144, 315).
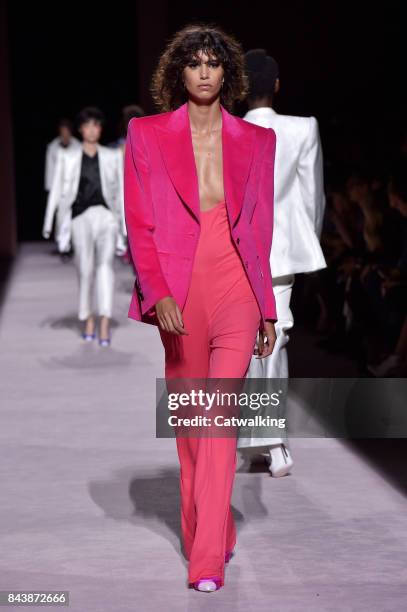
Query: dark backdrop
point(342, 62)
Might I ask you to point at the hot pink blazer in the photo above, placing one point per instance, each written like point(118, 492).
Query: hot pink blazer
point(162, 207)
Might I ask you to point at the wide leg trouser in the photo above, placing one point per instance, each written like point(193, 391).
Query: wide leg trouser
point(221, 340)
point(94, 236)
point(276, 364)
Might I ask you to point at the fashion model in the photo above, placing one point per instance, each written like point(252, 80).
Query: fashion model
point(199, 214)
point(64, 140)
point(299, 204)
point(87, 197)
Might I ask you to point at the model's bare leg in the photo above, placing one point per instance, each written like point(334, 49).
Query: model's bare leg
point(104, 328)
point(90, 325)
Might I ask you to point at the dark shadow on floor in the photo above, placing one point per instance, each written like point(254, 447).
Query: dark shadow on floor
point(6, 266)
point(153, 501)
point(70, 321)
point(388, 457)
point(308, 360)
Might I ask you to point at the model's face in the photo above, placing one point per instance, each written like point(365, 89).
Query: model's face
point(65, 134)
point(203, 77)
point(91, 131)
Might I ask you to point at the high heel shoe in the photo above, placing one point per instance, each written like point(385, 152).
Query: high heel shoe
point(104, 341)
point(281, 461)
point(207, 585)
point(88, 337)
point(213, 583)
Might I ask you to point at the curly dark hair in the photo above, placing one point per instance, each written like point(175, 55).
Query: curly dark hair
point(167, 86)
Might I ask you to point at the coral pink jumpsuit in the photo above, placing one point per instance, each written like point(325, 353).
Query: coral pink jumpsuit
point(222, 317)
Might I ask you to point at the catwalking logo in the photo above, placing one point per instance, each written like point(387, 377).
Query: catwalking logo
point(222, 421)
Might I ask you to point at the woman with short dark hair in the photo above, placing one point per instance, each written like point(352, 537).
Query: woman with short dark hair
point(199, 213)
point(86, 197)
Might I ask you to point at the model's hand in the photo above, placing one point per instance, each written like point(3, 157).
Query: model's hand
point(170, 317)
point(267, 339)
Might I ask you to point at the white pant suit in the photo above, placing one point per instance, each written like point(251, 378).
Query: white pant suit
point(94, 236)
point(299, 204)
point(98, 232)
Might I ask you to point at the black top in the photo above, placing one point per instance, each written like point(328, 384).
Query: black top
point(90, 188)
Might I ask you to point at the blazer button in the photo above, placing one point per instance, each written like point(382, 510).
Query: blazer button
point(237, 240)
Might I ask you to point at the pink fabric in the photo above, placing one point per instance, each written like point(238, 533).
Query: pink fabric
point(222, 316)
point(162, 206)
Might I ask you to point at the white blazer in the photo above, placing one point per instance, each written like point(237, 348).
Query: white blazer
point(51, 158)
point(299, 198)
point(65, 187)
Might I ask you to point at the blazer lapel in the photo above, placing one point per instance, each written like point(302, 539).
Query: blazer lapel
point(175, 141)
point(238, 147)
point(76, 168)
point(102, 170)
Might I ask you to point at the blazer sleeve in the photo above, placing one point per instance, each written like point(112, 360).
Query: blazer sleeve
point(120, 188)
point(311, 176)
point(54, 195)
point(139, 216)
point(263, 221)
point(49, 166)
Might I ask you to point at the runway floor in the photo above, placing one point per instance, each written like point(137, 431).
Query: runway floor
point(90, 496)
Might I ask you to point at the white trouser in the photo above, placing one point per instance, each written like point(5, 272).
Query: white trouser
point(276, 364)
point(94, 236)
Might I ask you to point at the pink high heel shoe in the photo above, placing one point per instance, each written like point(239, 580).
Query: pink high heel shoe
point(212, 583)
point(207, 585)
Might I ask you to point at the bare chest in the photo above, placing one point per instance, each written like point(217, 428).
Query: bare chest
point(209, 165)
